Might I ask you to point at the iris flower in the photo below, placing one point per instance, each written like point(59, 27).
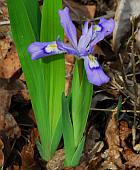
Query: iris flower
point(82, 49)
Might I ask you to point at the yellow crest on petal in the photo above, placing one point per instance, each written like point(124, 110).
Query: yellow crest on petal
point(97, 28)
point(93, 63)
point(51, 48)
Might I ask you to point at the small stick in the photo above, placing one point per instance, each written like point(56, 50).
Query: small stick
point(135, 82)
point(123, 73)
point(112, 110)
point(130, 75)
point(110, 14)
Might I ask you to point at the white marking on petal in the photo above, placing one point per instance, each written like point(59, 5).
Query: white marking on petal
point(97, 28)
point(52, 48)
point(93, 63)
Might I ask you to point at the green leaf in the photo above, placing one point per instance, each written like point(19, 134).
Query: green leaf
point(54, 71)
point(57, 134)
point(74, 115)
point(77, 155)
point(81, 99)
point(25, 18)
point(40, 149)
point(68, 134)
point(24, 31)
point(23, 34)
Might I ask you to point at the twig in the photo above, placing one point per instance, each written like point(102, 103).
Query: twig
point(123, 73)
point(125, 92)
point(139, 57)
point(107, 16)
point(110, 14)
point(130, 75)
point(134, 80)
point(112, 110)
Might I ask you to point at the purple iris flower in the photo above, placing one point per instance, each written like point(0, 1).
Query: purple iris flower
point(81, 49)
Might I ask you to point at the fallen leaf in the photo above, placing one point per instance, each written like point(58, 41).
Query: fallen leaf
point(95, 163)
point(10, 64)
point(9, 126)
point(75, 168)
point(100, 97)
point(57, 162)
point(5, 100)
point(1, 153)
point(113, 140)
point(4, 10)
point(27, 156)
point(125, 10)
point(8, 88)
point(137, 37)
point(79, 11)
point(91, 146)
point(132, 159)
point(4, 46)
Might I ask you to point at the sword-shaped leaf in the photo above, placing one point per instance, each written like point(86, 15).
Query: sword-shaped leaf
point(54, 71)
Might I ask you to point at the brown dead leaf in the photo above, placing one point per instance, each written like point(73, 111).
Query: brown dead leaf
point(91, 145)
point(4, 46)
point(137, 37)
point(75, 168)
point(1, 153)
point(8, 88)
point(95, 163)
point(113, 140)
point(27, 156)
point(9, 126)
point(24, 93)
point(124, 133)
point(57, 162)
point(79, 11)
point(10, 64)
point(5, 100)
point(9, 67)
point(132, 159)
point(22, 77)
point(125, 10)
point(3, 10)
point(80, 168)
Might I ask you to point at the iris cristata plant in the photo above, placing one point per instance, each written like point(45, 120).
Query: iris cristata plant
point(75, 107)
point(82, 49)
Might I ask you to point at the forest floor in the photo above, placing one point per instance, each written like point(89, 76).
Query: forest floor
point(113, 129)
